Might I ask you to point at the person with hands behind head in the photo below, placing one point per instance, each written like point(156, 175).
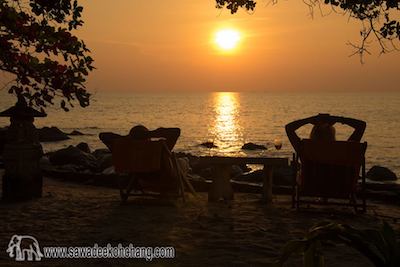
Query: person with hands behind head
point(140, 132)
point(323, 128)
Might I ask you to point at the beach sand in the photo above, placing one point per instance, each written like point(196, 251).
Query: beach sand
point(244, 232)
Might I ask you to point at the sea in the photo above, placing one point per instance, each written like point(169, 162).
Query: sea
point(230, 119)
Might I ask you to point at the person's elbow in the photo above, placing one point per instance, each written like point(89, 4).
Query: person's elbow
point(177, 131)
point(363, 125)
point(103, 136)
point(288, 128)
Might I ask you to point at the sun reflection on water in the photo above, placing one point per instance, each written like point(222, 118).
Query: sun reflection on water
point(226, 129)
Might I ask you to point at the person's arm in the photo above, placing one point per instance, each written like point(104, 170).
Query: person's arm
point(358, 125)
point(293, 126)
point(108, 139)
point(171, 135)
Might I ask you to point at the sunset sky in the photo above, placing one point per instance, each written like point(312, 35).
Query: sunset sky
point(144, 45)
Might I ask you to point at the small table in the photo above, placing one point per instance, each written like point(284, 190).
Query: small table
point(221, 186)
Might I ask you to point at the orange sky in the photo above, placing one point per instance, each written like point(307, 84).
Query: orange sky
point(144, 45)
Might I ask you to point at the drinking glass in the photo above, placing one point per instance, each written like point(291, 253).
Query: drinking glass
point(278, 143)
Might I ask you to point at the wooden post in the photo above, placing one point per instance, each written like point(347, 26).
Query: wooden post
point(221, 186)
point(267, 185)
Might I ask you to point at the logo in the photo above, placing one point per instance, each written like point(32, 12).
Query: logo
point(24, 247)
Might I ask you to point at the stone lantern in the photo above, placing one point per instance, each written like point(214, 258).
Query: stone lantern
point(22, 178)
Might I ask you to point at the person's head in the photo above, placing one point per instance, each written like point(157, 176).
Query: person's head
point(323, 131)
point(139, 132)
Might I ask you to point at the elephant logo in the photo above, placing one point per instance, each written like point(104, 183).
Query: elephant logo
point(22, 246)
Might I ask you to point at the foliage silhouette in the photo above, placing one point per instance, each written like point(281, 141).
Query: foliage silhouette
point(380, 246)
point(380, 18)
point(39, 48)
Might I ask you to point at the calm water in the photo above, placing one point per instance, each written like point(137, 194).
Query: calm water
point(231, 119)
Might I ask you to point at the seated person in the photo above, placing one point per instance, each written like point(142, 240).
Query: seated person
point(323, 129)
point(167, 174)
point(140, 132)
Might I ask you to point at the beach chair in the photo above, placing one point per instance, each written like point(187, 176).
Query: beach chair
point(329, 170)
point(147, 168)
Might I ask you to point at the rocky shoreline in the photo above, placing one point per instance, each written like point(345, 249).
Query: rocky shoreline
point(80, 164)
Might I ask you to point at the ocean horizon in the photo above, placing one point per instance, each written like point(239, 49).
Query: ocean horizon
point(229, 119)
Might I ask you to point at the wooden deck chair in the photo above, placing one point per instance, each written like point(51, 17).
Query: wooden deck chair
point(150, 167)
point(329, 169)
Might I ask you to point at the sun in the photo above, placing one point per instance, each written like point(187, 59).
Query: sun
point(227, 39)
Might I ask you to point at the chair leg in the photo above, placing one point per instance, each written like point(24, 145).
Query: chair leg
point(124, 197)
point(124, 191)
point(353, 201)
point(121, 190)
point(131, 185)
point(182, 189)
point(364, 203)
point(297, 198)
point(294, 198)
point(293, 201)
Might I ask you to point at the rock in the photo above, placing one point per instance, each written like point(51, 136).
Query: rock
point(252, 177)
point(70, 168)
point(109, 170)
point(193, 160)
point(203, 169)
point(98, 153)
point(84, 147)
point(195, 177)
point(281, 176)
point(379, 173)
point(236, 171)
point(52, 134)
point(45, 163)
point(75, 156)
point(208, 145)
point(252, 146)
point(105, 161)
point(75, 132)
point(206, 173)
point(104, 158)
point(245, 168)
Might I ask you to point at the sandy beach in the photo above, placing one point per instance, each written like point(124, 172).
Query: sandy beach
point(252, 109)
point(244, 232)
